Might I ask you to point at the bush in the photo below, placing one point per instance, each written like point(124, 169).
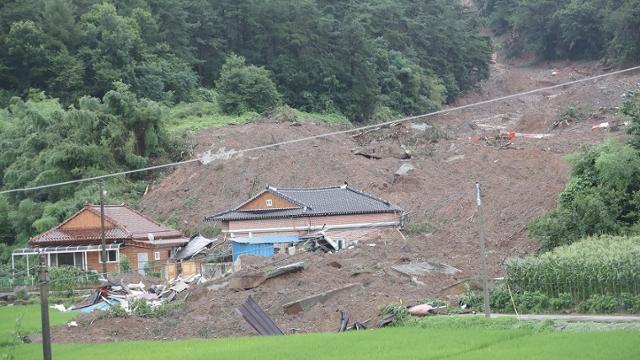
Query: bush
point(471, 299)
point(421, 228)
point(142, 308)
point(500, 299)
point(69, 278)
point(599, 304)
point(564, 301)
point(242, 88)
point(125, 264)
point(399, 311)
point(532, 301)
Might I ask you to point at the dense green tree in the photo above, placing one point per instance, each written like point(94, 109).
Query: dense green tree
point(322, 54)
point(574, 29)
point(602, 197)
point(243, 87)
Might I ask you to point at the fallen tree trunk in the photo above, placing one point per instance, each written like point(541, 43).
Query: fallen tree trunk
point(306, 303)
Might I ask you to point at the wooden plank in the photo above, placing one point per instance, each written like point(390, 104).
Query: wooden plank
point(306, 303)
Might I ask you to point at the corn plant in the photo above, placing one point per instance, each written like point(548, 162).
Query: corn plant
point(594, 266)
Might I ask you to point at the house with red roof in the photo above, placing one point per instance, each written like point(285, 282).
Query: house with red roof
point(77, 240)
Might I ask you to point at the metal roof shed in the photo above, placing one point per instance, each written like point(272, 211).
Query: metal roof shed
point(259, 246)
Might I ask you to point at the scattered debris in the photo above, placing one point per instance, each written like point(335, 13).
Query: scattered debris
point(426, 309)
point(258, 318)
point(611, 125)
point(365, 153)
point(250, 281)
point(454, 158)
point(405, 169)
point(415, 281)
point(420, 126)
point(104, 297)
point(424, 268)
point(246, 282)
point(71, 324)
point(344, 321)
point(282, 270)
point(196, 245)
point(59, 307)
point(306, 303)
point(387, 320)
point(358, 326)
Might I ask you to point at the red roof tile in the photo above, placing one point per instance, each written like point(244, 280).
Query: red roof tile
point(128, 225)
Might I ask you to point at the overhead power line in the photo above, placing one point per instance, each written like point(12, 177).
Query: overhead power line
point(208, 157)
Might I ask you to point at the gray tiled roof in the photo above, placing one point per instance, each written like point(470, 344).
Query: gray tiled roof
point(335, 200)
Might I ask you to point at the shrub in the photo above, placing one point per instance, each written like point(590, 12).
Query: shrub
point(242, 88)
point(599, 304)
point(125, 264)
point(420, 228)
point(532, 301)
point(471, 299)
point(399, 311)
point(500, 299)
point(69, 278)
point(564, 301)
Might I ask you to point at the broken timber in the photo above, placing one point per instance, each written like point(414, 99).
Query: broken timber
point(246, 282)
point(258, 318)
point(305, 304)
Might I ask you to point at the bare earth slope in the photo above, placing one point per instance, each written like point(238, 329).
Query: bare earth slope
point(519, 182)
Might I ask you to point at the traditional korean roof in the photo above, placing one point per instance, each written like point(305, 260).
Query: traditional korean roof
point(321, 201)
point(121, 224)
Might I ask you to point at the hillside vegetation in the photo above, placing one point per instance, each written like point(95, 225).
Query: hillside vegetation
point(353, 57)
point(603, 194)
point(89, 88)
point(569, 29)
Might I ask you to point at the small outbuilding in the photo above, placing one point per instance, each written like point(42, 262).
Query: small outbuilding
point(261, 246)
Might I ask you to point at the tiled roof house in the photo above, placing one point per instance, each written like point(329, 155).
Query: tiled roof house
point(77, 242)
point(298, 211)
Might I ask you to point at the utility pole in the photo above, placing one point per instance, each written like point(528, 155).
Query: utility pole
point(44, 307)
point(483, 255)
point(104, 244)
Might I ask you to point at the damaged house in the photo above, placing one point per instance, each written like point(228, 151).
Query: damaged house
point(77, 242)
point(279, 217)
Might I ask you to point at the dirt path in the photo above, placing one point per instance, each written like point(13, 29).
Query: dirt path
point(575, 318)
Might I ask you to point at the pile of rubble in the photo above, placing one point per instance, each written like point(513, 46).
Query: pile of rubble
point(106, 296)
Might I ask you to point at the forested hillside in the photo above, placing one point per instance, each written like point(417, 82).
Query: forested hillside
point(569, 29)
point(349, 56)
point(90, 87)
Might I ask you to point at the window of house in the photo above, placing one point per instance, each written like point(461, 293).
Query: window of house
point(156, 255)
point(269, 202)
point(112, 256)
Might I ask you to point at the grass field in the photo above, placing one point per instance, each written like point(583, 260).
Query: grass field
point(436, 338)
point(29, 319)
point(205, 115)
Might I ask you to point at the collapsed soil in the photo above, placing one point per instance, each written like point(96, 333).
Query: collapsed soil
point(519, 182)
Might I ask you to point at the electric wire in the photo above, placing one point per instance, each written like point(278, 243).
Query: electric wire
point(329, 134)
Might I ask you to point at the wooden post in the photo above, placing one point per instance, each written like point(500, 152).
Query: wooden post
point(44, 308)
point(104, 244)
point(483, 255)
